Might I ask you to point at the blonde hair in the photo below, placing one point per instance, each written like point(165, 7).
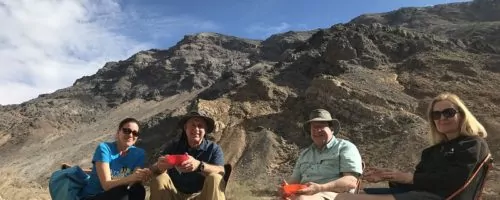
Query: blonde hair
point(469, 124)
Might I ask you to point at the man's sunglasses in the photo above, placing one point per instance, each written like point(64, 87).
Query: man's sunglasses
point(447, 113)
point(128, 131)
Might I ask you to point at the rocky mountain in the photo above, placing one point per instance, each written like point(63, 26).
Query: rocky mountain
point(477, 21)
point(376, 74)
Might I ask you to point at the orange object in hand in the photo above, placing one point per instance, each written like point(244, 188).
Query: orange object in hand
point(176, 159)
point(291, 189)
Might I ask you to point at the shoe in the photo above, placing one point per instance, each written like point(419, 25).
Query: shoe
point(65, 166)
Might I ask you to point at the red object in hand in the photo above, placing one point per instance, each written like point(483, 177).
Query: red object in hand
point(291, 189)
point(176, 159)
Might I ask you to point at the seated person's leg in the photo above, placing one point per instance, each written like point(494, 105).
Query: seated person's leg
point(384, 190)
point(416, 195)
point(412, 195)
point(162, 188)
point(317, 196)
point(213, 187)
point(136, 192)
point(118, 193)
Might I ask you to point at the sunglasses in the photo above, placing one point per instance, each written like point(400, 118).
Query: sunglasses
point(447, 113)
point(128, 131)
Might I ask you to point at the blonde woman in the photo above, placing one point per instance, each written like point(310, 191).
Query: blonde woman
point(458, 147)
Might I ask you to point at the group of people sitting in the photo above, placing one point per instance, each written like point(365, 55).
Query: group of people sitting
point(328, 169)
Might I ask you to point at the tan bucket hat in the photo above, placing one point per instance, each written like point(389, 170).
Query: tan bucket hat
point(195, 113)
point(322, 115)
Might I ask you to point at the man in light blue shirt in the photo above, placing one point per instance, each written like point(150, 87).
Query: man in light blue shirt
point(329, 164)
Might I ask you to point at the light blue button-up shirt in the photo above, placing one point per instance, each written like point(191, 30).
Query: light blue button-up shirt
point(322, 166)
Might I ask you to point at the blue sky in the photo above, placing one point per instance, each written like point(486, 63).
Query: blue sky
point(46, 45)
point(256, 19)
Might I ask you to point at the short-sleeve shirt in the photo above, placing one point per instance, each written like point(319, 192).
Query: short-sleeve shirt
point(120, 166)
point(192, 182)
point(322, 166)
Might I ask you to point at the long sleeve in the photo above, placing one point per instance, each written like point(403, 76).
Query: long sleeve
point(449, 174)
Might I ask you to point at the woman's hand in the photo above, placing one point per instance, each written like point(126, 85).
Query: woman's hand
point(137, 176)
point(374, 175)
point(145, 174)
point(398, 177)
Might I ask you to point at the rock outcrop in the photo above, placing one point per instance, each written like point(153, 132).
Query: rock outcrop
point(375, 74)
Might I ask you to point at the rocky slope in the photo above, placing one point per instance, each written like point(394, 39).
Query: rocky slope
point(376, 74)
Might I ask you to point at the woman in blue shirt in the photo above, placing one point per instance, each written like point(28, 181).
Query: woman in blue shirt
point(117, 171)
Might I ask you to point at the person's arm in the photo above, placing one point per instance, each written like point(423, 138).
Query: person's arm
point(347, 182)
point(409, 181)
point(160, 166)
point(350, 167)
point(217, 161)
point(466, 157)
point(104, 174)
point(140, 164)
point(208, 169)
point(102, 158)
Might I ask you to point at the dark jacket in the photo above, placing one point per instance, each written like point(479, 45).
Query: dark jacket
point(446, 166)
point(208, 152)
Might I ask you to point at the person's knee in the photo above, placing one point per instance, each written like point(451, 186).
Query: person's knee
point(213, 177)
point(161, 179)
point(214, 180)
point(308, 197)
point(302, 197)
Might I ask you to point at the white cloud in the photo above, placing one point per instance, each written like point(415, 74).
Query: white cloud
point(46, 45)
point(267, 30)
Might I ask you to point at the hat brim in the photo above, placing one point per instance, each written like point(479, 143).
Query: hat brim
point(333, 123)
point(210, 122)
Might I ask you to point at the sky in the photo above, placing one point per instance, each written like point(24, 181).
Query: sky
point(45, 45)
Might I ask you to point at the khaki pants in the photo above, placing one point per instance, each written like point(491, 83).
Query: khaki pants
point(162, 188)
point(319, 195)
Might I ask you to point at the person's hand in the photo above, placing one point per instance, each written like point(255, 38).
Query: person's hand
point(311, 189)
point(398, 177)
point(137, 176)
point(144, 173)
point(189, 165)
point(282, 192)
point(162, 163)
point(374, 175)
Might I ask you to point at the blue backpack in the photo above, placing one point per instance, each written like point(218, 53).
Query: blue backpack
point(67, 184)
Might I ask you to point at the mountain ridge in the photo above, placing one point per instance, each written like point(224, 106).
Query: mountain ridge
point(375, 78)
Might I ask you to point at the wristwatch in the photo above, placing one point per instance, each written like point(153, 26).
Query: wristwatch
point(201, 167)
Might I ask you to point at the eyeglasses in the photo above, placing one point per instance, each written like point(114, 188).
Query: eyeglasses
point(447, 113)
point(128, 131)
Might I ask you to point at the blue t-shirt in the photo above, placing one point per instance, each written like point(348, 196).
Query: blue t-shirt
point(121, 166)
point(192, 182)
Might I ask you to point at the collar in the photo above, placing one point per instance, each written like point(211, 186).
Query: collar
point(121, 153)
point(460, 137)
point(203, 146)
point(329, 145)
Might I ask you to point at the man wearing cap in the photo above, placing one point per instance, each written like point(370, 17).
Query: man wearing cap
point(200, 176)
point(329, 164)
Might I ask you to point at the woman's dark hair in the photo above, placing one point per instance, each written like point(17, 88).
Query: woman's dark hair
point(126, 121)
